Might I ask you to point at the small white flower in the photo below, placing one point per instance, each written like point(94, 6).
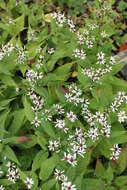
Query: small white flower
point(93, 133)
point(36, 122)
point(106, 131)
point(67, 185)
point(13, 173)
point(51, 51)
point(93, 26)
point(61, 125)
point(71, 116)
point(103, 34)
point(79, 54)
point(71, 159)
point(81, 38)
point(17, 89)
point(1, 187)
point(71, 25)
point(58, 174)
point(101, 58)
point(122, 116)
point(29, 182)
point(112, 60)
point(53, 145)
point(59, 109)
point(89, 43)
point(115, 152)
point(68, 97)
point(86, 32)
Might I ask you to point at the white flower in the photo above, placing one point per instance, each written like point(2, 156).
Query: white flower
point(101, 58)
point(103, 34)
point(59, 109)
point(13, 173)
point(122, 116)
point(106, 131)
point(93, 26)
point(61, 124)
point(53, 145)
point(71, 159)
point(67, 185)
point(86, 32)
point(112, 60)
point(79, 54)
point(51, 51)
point(1, 187)
point(68, 97)
point(71, 116)
point(71, 25)
point(93, 133)
point(29, 182)
point(36, 122)
point(115, 152)
point(58, 174)
point(89, 43)
point(81, 38)
point(59, 18)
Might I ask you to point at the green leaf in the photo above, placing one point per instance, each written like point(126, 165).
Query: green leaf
point(121, 180)
point(92, 184)
point(48, 128)
point(39, 158)
point(28, 109)
point(41, 140)
point(49, 184)
point(48, 166)
point(3, 117)
point(64, 71)
point(99, 170)
point(84, 162)
point(17, 26)
point(122, 161)
point(17, 122)
point(9, 153)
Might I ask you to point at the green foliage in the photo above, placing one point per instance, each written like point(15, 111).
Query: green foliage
point(63, 112)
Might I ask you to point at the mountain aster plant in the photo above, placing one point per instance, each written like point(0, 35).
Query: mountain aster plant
point(63, 106)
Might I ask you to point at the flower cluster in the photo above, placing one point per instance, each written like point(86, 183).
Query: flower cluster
point(22, 55)
point(74, 95)
point(65, 183)
point(76, 147)
point(13, 173)
point(115, 152)
point(93, 120)
point(32, 76)
point(77, 53)
point(36, 100)
point(61, 19)
point(96, 74)
point(60, 123)
point(6, 50)
point(85, 39)
point(122, 117)
point(121, 97)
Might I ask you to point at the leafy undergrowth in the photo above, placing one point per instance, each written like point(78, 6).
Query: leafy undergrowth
point(63, 111)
